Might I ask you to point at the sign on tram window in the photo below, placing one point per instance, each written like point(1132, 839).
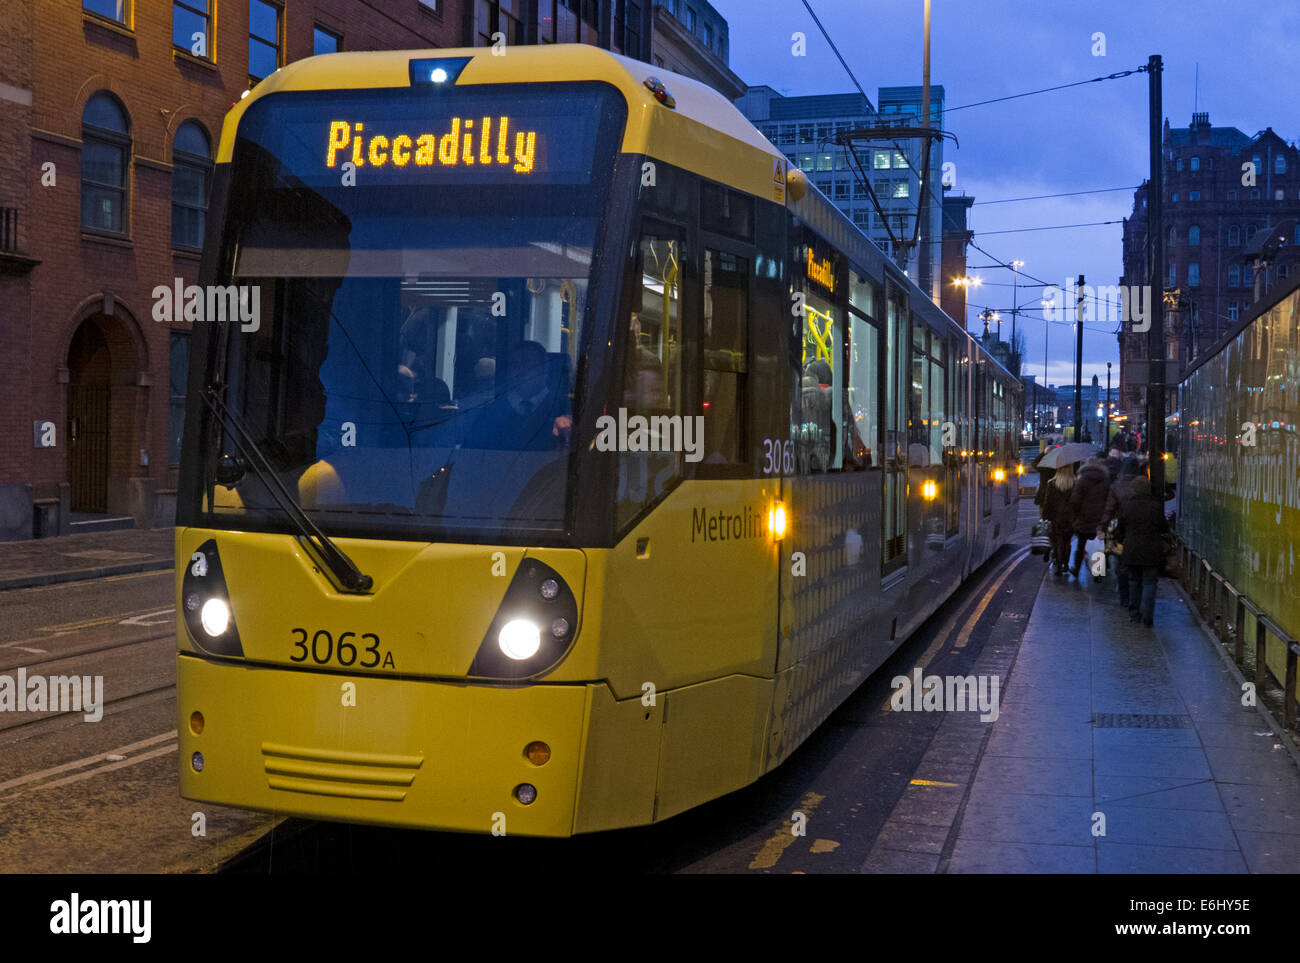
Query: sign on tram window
point(532, 134)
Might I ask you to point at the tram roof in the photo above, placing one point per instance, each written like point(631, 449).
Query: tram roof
point(704, 133)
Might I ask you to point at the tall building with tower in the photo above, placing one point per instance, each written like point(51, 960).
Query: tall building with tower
point(1231, 224)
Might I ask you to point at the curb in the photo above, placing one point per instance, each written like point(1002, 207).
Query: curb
point(84, 574)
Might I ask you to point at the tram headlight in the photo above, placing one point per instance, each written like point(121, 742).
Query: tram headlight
point(215, 617)
point(206, 607)
point(535, 624)
point(519, 639)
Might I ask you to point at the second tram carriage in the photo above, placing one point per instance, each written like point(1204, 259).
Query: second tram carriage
point(561, 469)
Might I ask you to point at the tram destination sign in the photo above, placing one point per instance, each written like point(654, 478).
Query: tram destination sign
point(526, 134)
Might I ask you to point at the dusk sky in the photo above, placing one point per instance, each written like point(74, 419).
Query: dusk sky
point(1085, 138)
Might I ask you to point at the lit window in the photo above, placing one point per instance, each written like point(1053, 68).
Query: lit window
point(1193, 275)
point(1279, 164)
point(1278, 195)
point(900, 160)
point(119, 10)
point(900, 189)
point(1195, 163)
point(880, 160)
point(190, 27)
point(191, 170)
point(263, 39)
point(1173, 275)
point(324, 42)
point(105, 148)
point(1193, 235)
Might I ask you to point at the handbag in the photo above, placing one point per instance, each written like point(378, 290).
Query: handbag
point(1113, 547)
point(1040, 537)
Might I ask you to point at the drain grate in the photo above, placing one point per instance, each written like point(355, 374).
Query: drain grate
point(1140, 720)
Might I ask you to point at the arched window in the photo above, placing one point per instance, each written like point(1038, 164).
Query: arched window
point(1234, 236)
point(1234, 276)
point(1250, 231)
point(1194, 235)
point(105, 151)
point(1173, 236)
point(191, 170)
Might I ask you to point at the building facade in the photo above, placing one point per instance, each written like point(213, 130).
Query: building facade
point(804, 127)
point(1227, 196)
point(689, 37)
point(111, 110)
point(956, 235)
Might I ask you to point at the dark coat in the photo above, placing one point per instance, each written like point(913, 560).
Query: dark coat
point(1120, 489)
point(1088, 498)
point(1141, 523)
point(1056, 508)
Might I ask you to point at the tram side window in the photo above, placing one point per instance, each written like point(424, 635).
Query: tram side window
point(894, 534)
point(864, 373)
point(726, 325)
point(821, 422)
point(926, 435)
point(652, 380)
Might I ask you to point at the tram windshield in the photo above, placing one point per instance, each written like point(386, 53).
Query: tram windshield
point(412, 273)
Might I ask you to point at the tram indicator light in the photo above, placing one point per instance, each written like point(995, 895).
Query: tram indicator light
point(437, 72)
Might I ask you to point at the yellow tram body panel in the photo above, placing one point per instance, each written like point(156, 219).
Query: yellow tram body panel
point(697, 665)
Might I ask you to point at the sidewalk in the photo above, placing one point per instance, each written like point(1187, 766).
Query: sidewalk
point(71, 558)
point(1119, 749)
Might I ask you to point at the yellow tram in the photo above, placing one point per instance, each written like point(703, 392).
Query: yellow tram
point(561, 458)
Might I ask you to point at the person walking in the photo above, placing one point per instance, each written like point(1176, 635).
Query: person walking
point(1056, 509)
point(1141, 524)
point(1119, 493)
point(1087, 502)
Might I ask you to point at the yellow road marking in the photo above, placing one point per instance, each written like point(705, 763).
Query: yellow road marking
point(929, 782)
point(969, 627)
point(772, 849)
point(824, 846)
point(941, 637)
point(86, 624)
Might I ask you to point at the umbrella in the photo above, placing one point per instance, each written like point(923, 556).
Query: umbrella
point(1068, 455)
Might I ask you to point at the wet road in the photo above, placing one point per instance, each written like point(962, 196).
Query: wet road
point(99, 794)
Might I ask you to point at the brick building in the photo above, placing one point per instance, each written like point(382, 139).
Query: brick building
point(1227, 241)
point(109, 114)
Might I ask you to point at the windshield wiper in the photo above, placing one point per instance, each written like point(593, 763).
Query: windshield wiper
point(344, 569)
